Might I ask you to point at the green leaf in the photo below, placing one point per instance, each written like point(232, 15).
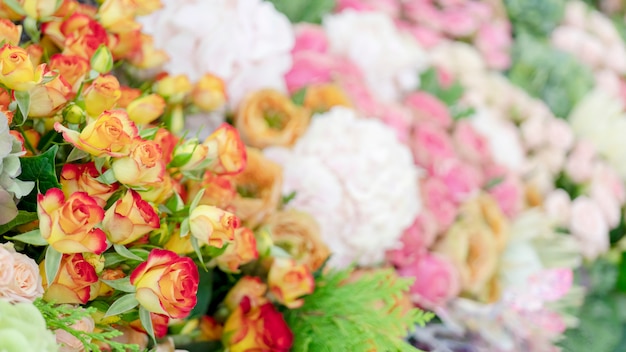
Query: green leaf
point(23, 217)
point(23, 102)
point(184, 228)
point(122, 284)
point(76, 154)
point(122, 305)
point(196, 248)
point(53, 261)
point(41, 169)
point(124, 252)
point(180, 160)
point(148, 133)
point(108, 177)
point(298, 96)
point(196, 200)
point(31, 237)
point(99, 163)
point(304, 10)
point(288, 198)
point(146, 322)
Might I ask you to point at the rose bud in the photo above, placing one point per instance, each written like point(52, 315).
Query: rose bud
point(72, 68)
point(144, 166)
point(146, 109)
point(218, 190)
point(38, 9)
point(288, 281)
point(177, 244)
point(110, 134)
point(75, 282)
point(17, 72)
point(241, 251)
point(118, 15)
point(159, 324)
point(209, 94)
point(46, 99)
point(248, 286)
point(166, 284)
point(129, 218)
point(212, 226)
point(173, 88)
point(69, 225)
point(10, 33)
point(102, 60)
point(162, 191)
point(226, 150)
point(82, 178)
point(190, 155)
point(102, 95)
point(35, 53)
point(147, 56)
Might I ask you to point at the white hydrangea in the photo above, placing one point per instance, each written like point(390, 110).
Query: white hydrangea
point(245, 42)
point(357, 180)
point(391, 60)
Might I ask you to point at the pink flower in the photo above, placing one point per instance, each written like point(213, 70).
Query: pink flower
point(24, 284)
point(557, 205)
point(509, 194)
point(493, 40)
point(427, 37)
point(415, 241)
point(457, 23)
point(398, 118)
point(471, 145)
point(430, 143)
point(438, 201)
point(310, 38)
point(608, 192)
point(351, 79)
point(427, 107)
point(588, 225)
point(69, 343)
point(445, 78)
point(389, 7)
point(560, 134)
point(579, 164)
point(436, 280)
point(309, 67)
point(460, 179)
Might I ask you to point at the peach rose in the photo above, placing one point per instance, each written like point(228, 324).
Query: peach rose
point(82, 178)
point(17, 71)
point(146, 109)
point(168, 142)
point(20, 280)
point(269, 118)
point(38, 9)
point(72, 68)
point(129, 218)
point(6, 266)
point(109, 134)
point(102, 94)
point(218, 190)
point(160, 194)
point(10, 33)
point(209, 94)
point(68, 342)
point(68, 225)
point(299, 234)
point(166, 284)
point(259, 188)
point(144, 166)
point(226, 150)
point(212, 226)
point(75, 283)
point(248, 286)
point(289, 280)
point(48, 98)
point(241, 251)
point(118, 16)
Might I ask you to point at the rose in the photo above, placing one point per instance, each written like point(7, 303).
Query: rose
point(252, 327)
point(210, 329)
point(430, 143)
point(218, 190)
point(23, 328)
point(166, 284)
point(68, 342)
point(48, 98)
point(39, 9)
point(159, 323)
point(439, 201)
point(147, 56)
point(9, 32)
point(146, 109)
point(75, 283)
point(68, 225)
point(109, 134)
point(309, 68)
point(579, 164)
point(190, 155)
point(129, 218)
point(557, 206)
point(299, 234)
point(102, 94)
point(17, 72)
point(21, 282)
point(269, 118)
point(241, 251)
point(415, 240)
point(259, 186)
point(82, 178)
point(174, 88)
point(226, 150)
point(109, 274)
point(399, 118)
point(72, 68)
point(209, 93)
point(460, 179)
point(212, 226)
point(588, 225)
point(322, 97)
point(470, 145)
point(118, 16)
point(248, 286)
point(427, 107)
point(288, 281)
point(436, 280)
point(144, 166)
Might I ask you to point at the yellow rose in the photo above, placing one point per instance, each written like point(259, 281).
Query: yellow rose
point(259, 189)
point(102, 95)
point(226, 151)
point(129, 218)
point(299, 234)
point(82, 178)
point(288, 281)
point(118, 16)
point(146, 109)
point(40, 8)
point(241, 251)
point(72, 68)
point(46, 99)
point(322, 97)
point(190, 155)
point(142, 167)
point(17, 71)
point(212, 226)
point(209, 93)
point(268, 118)
point(173, 88)
point(248, 286)
point(179, 245)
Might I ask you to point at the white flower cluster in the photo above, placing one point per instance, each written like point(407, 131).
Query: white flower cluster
point(247, 43)
point(357, 180)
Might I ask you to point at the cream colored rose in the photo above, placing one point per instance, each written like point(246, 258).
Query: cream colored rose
point(24, 284)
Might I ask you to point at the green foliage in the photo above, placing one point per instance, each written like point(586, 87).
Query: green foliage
point(450, 96)
point(41, 169)
point(360, 315)
point(535, 17)
point(64, 316)
point(304, 10)
point(23, 217)
point(555, 77)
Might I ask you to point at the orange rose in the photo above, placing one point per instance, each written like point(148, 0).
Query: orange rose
point(10, 33)
point(118, 15)
point(109, 134)
point(218, 190)
point(109, 274)
point(126, 43)
point(147, 56)
point(75, 282)
point(259, 189)
point(173, 88)
point(46, 99)
point(167, 141)
point(212, 226)
point(142, 167)
point(242, 251)
point(268, 117)
point(79, 34)
point(82, 178)
point(210, 329)
point(256, 328)
point(129, 218)
point(17, 71)
point(102, 95)
point(288, 281)
point(146, 109)
point(166, 284)
point(299, 234)
point(209, 94)
point(226, 150)
point(72, 68)
point(128, 95)
point(69, 225)
point(248, 286)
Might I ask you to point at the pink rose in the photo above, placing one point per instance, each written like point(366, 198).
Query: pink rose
point(436, 280)
point(415, 241)
point(493, 40)
point(557, 205)
point(482, 11)
point(457, 23)
point(533, 131)
point(352, 80)
point(460, 179)
point(471, 145)
point(559, 134)
point(398, 118)
point(6, 268)
point(438, 201)
point(389, 7)
point(423, 12)
point(588, 225)
point(308, 68)
point(310, 38)
point(67, 342)
point(509, 195)
point(431, 143)
point(579, 164)
point(427, 107)
point(605, 175)
point(427, 37)
point(25, 281)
